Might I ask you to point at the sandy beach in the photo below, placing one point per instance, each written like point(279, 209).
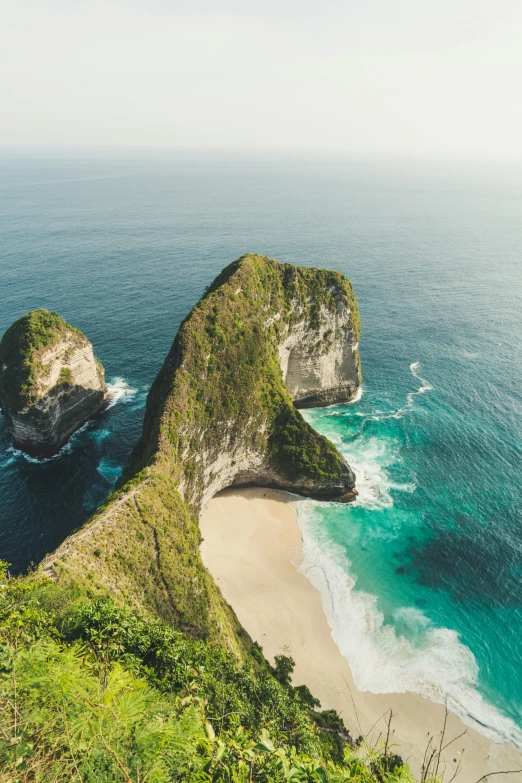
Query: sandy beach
point(252, 547)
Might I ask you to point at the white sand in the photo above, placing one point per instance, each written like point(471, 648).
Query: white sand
point(252, 547)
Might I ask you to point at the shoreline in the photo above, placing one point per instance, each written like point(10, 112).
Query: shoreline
point(252, 547)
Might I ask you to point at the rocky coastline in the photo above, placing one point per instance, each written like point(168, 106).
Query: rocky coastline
point(264, 339)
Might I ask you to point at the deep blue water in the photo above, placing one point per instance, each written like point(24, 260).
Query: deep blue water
point(433, 546)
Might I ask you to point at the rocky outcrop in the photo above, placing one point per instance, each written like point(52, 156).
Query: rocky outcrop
point(266, 334)
point(320, 364)
point(221, 413)
point(50, 381)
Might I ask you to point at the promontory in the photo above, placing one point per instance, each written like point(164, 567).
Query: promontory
point(50, 381)
point(265, 339)
point(121, 659)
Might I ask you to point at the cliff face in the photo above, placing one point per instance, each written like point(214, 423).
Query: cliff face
point(50, 381)
point(320, 364)
point(221, 408)
point(220, 414)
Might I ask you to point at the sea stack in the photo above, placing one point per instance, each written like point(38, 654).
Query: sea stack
point(50, 381)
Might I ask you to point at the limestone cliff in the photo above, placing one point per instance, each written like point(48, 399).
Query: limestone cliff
point(220, 414)
point(320, 363)
point(50, 381)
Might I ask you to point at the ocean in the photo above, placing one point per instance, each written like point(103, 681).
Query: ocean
point(422, 576)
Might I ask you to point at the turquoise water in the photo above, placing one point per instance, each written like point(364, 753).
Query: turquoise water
point(422, 576)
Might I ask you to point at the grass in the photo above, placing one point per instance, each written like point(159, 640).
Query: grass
point(65, 378)
point(90, 691)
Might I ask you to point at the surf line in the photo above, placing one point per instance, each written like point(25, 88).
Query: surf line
point(119, 389)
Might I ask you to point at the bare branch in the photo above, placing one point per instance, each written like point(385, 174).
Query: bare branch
point(457, 770)
point(446, 712)
point(354, 707)
point(502, 772)
point(454, 740)
point(387, 740)
point(374, 725)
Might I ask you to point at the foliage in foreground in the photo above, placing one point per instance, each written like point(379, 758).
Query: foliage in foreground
point(92, 692)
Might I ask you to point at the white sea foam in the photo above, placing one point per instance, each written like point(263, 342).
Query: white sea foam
point(425, 385)
point(358, 395)
point(410, 398)
point(35, 460)
point(17, 454)
point(368, 458)
point(119, 389)
point(379, 415)
point(412, 655)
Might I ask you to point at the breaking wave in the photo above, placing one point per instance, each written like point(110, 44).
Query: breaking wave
point(424, 387)
point(406, 651)
point(379, 415)
point(410, 655)
point(368, 458)
point(119, 390)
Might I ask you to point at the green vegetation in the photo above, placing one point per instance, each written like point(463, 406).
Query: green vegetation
point(65, 378)
point(90, 691)
point(223, 373)
point(171, 687)
point(142, 549)
point(301, 451)
point(221, 388)
point(20, 351)
point(128, 666)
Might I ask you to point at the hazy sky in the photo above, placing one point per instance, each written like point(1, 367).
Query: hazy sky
point(373, 76)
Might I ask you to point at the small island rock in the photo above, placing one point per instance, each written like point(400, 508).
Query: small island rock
point(50, 381)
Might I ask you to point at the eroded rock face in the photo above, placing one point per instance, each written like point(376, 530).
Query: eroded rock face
point(50, 382)
point(321, 365)
point(266, 336)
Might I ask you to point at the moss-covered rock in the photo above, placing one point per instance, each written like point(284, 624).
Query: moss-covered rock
point(50, 381)
point(221, 413)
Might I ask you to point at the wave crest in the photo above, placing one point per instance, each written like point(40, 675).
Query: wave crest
point(379, 415)
point(119, 389)
point(368, 459)
point(411, 655)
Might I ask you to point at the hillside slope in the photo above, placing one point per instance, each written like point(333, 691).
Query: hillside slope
point(221, 413)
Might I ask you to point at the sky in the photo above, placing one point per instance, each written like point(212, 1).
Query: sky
point(404, 77)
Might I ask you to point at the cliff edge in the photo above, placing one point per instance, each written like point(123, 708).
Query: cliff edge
point(221, 413)
point(50, 381)
point(265, 335)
